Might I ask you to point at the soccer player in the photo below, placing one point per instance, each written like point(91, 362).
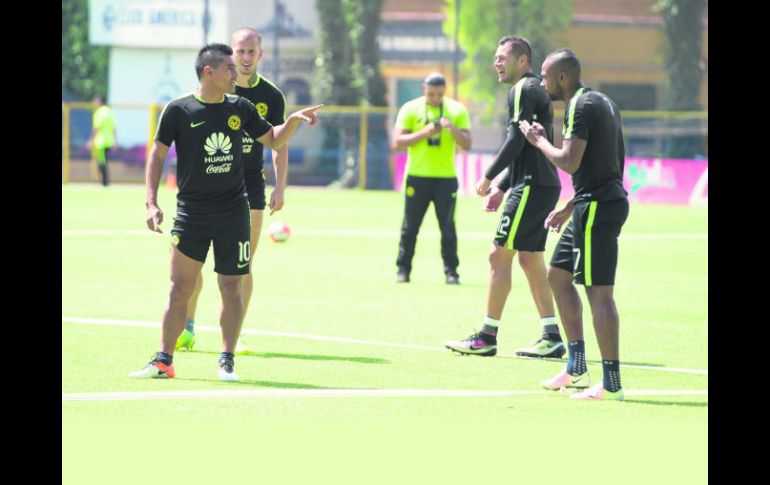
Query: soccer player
point(271, 104)
point(208, 128)
point(103, 135)
point(593, 153)
point(429, 127)
point(536, 189)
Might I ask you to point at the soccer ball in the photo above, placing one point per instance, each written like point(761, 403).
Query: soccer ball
point(279, 231)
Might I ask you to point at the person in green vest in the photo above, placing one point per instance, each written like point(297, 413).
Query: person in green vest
point(430, 127)
point(103, 135)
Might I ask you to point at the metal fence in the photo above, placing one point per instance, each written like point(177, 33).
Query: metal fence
point(350, 147)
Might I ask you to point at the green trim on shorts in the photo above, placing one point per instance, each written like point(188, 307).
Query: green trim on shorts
point(517, 217)
point(589, 227)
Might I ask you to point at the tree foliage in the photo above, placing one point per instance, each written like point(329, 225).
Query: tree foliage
point(348, 59)
point(484, 22)
point(683, 23)
point(84, 67)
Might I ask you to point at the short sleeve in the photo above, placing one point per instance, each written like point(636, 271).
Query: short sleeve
point(253, 123)
point(277, 113)
point(168, 124)
point(462, 120)
point(405, 118)
point(578, 120)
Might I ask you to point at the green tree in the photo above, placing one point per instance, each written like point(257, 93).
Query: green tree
point(84, 67)
point(683, 24)
point(348, 74)
point(336, 80)
point(368, 20)
point(484, 22)
point(348, 60)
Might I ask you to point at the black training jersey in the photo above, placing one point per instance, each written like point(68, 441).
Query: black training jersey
point(208, 139)
point(595, 118)
point(527, 165)
point(271, 105)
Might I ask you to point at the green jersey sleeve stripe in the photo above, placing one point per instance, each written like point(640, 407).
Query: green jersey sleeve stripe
point(571, 120)
point(517, 99)
point(589, 228)
point(517, 217)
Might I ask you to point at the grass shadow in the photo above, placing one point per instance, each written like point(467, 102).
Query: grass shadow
point(252, 382)
point(590, 361)
point(668, 403)
point(283, 355)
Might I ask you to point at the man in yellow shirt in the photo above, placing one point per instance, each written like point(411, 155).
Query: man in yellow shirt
point(429, 127)
point(103, 135)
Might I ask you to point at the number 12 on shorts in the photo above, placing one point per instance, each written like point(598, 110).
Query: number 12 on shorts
point(243, 252)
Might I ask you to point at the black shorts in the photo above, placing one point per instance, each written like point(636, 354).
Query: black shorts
point(229, 233)
point(589, 246)
point(522, 225)
point(255, 188)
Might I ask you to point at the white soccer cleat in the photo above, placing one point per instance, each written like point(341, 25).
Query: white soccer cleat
point(226, 369)
point(564, 380)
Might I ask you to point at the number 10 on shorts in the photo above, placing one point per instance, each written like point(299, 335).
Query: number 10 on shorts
point(243, 252)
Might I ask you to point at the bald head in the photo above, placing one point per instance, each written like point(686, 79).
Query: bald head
point(246, 33)
point(247, 51)
point(560, 73)
point(564, 60)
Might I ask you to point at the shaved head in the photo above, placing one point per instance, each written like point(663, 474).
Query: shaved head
point(564, 60)
point(246, 33)
point(560, 73)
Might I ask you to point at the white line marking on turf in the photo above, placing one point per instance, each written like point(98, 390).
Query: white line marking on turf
point(133, 323)
point(329, 393)
point(382, 234)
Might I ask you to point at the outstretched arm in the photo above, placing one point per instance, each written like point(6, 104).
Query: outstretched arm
point(279, 135)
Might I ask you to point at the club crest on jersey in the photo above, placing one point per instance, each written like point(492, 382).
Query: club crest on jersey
point(234, 122)
point(262, 109)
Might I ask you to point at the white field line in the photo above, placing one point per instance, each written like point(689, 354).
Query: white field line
point(247, 331)
point(330, 393)
point(386, 234)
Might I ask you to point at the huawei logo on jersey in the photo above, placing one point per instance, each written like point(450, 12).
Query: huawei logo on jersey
point(218, 142)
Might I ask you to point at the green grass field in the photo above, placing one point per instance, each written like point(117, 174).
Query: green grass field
point(331, 411)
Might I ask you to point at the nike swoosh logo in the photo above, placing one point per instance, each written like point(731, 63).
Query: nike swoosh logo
point(240, 266)
point(193, 125)
point(575, 381)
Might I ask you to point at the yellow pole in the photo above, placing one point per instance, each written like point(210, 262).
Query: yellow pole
point(362, 148)
point(94, 166)
point(153, 122)
point(65, 142)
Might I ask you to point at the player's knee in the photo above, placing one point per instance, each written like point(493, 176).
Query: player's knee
point(529, 260)
point(230, 286)
point(601, 297)
point(181, 290)
point(500, 257)
point(558, 278)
